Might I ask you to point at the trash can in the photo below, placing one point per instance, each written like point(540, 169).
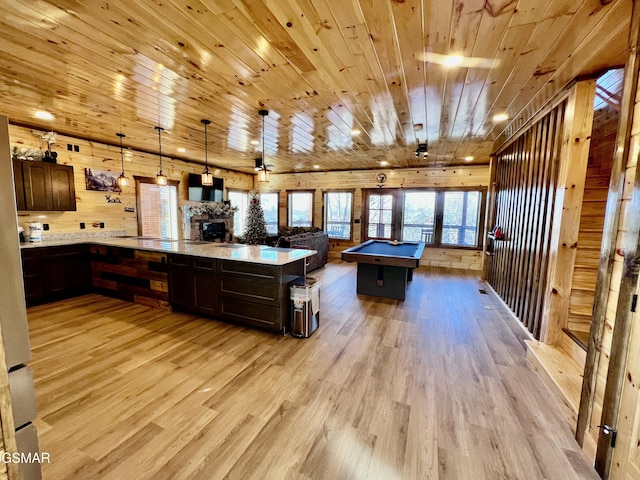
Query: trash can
point(305, 306)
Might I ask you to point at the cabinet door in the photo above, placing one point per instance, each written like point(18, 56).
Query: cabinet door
point(63, 187)
point(32, 271)
point(37, 186)
point(207, 293)
point(18, 180)
point(181, 287)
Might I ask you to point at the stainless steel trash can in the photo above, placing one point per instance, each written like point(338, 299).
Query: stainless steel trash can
point(305, 306)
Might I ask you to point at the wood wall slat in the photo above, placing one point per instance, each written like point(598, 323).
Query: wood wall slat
point(526, 174)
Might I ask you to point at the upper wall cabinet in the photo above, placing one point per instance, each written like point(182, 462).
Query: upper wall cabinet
point(44, 186)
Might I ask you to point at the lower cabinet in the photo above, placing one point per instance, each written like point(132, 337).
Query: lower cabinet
point(243, 292)
point(52, 273)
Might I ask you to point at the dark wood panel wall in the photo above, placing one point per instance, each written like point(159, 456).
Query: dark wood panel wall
point(524, 195)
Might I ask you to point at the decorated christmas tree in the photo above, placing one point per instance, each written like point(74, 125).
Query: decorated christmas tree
point(255, 230)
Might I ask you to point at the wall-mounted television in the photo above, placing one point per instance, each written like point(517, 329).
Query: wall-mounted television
point(198, 193)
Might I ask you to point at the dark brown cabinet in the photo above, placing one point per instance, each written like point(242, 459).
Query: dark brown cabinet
point(52, 273)
point(44, 186)
point(193, 284)
point(63, 187)
point(18, 181)
point(243, 292)
point(181, 282)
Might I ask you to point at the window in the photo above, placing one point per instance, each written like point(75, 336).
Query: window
point(240, 199)
point(269, 203)
point(300, 209)
point(157, 208)
point(380, 218)
point(460, 218)
point(451, 218)
point(337, 214)
point(418, 217)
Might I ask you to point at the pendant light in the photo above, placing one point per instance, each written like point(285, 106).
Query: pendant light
point(123, 180)
point(263, 172)
point(161, 178)
point(207, 178)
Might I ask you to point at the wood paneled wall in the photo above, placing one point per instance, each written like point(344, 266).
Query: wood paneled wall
point(357, 180)
point(524, 196)
point(538, 192)
point(583, 284)
point(92, 206)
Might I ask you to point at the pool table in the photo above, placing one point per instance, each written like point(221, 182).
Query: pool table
point(384, 267)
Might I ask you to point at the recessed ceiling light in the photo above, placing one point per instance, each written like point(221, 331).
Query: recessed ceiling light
point(468, 158)
point(500, 117)
point(43, 115)
point(182, 149)
point(384, 163)
point(453, 60)
point(255, 142)
point(355, 132)
point(316, 166)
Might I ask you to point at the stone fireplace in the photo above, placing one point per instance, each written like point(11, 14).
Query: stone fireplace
point(197, 227)
point(196, 217)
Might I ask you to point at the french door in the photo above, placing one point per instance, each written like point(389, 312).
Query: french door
point(381, 210)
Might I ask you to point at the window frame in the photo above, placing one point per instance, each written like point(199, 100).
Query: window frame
point(150, 180)
point(313, 198)
point(324, 212)
point(398, 210)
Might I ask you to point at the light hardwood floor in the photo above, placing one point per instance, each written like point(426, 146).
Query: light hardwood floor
point(435, 387)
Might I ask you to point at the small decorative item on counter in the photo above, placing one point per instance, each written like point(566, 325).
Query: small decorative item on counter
point(21, 234)
point(35, 231)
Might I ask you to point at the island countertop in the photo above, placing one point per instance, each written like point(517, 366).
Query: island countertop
point(262, 254)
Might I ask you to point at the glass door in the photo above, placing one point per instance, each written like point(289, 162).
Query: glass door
point(380, 215)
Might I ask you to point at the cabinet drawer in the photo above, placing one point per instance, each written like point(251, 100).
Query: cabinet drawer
point(249, 289)
point(250, 313)
point(241, 269)
point(30, 253)
point(63, 251)
point(182, 261)
point(205, 264)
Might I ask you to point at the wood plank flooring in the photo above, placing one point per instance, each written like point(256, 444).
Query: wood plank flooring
point(435, 387)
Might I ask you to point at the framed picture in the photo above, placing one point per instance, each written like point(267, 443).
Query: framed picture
point(101, 180)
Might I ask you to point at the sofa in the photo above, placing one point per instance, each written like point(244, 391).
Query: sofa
point(311, 238)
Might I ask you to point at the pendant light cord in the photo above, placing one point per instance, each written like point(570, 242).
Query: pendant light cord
point(160, 129)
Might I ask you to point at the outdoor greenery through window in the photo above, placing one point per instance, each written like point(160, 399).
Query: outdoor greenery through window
point(448, 217)
point(460, 218)
point(239, 199)
point(300, 209)
point(157, 209)
point(269, 204)
point(337, 214)
point(418, 217)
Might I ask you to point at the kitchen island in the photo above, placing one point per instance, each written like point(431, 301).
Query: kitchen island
point(247, 284)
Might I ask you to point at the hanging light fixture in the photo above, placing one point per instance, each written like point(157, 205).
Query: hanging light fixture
point(207, 177)
point(263, 171)
point(123, 180)
point(161, 178)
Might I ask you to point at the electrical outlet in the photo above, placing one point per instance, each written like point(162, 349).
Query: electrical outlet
point(82, 226)
point(45, 226)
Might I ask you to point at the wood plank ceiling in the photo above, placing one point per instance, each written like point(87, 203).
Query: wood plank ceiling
point(325, 70)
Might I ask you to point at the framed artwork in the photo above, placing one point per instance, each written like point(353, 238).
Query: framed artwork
point(101, 180)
